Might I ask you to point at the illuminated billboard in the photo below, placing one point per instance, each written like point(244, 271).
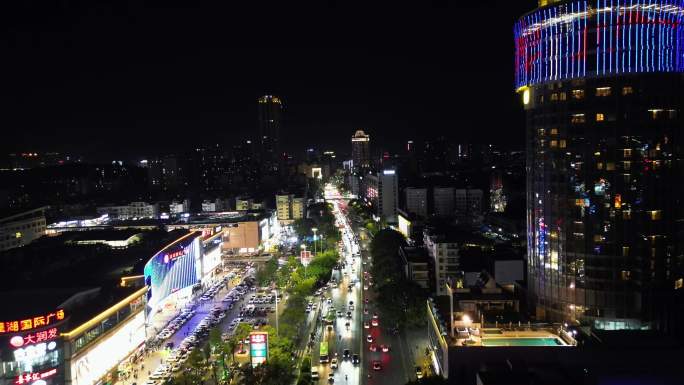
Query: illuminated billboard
point(88, 368)
point(31, 323)
point(177, 266)
point(258, 348)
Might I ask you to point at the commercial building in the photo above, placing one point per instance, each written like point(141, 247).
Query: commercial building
point(244, 203)
point(468, 202)
point(216, 205)
point(601, 86)
point(289, 208)
point(360, 151)
point(417, 201)
point(132, 210)
point(381, 192)
point(22, 228)
point(270, 110)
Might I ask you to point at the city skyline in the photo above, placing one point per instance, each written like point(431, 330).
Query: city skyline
point(185, 81)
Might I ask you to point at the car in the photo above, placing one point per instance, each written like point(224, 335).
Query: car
point(369, 338)
point(366, 325)
point(375, 315)
point(351, 307)
point(365, 310)
point(349, 315)
point(419, 372)
point(329, 300)
point(339, 314)
point(333, 363)
point(374, 322)
point(355, 359)
point(351, 303)
point(346, 354)
point(314, 372)
point(365, 301)
point(331, 378)
point(385, 348)
point(376, 365)
point(373, 347)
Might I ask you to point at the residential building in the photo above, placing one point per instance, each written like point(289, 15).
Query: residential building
point(289, 208)
point(468, 202)
point(22, 228)
point(443, 198)
point(443, 250)
point(244, 203)
point(416, 266)
point(417, 201)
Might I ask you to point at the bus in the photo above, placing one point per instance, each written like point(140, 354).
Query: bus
point(324, 356)
point(330, 318)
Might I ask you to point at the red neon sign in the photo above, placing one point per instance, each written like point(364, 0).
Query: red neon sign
point(31, 323)
point(29, 377)
point(34, 338)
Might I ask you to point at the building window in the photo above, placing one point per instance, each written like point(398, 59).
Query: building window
point(655, 113)
point(625, 275)
point(578, 94)
point(599, 117)
point(626, 214)
point(554, 131)
point(562, 96)
point(577, 119)
point(562, 143)
point(554, 97)
point(655, 215)
point(603, 91)
point(625, 251)
point(626, 152)
point(627, 90)
point(553, 144)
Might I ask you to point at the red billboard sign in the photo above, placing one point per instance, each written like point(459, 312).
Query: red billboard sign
point(31, 323)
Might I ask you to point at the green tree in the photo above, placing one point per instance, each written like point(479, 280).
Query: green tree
point(268, 272)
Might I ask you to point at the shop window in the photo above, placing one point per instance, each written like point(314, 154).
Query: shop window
point(655, 113)
point(603, 91)
point(627, 90)
point(600, 117)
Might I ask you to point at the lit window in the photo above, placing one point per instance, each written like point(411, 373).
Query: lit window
point(626, 214)
point(679, 283)
point(610, 166)
point(578, 94)
point(625, 251)
point(626, 275)
point(655, 113)
point(672, 114)
point(577, 118)
point(562, 143)
point(655, 215)
point(603, 91)
point(553, 144)
point(562, 96)
point(599, 117)
point(599, 166)
point(627, 90)
point(627, 152)
point(554, 97)
point(554, 131)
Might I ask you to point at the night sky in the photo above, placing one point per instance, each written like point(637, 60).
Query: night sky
point(141, 77)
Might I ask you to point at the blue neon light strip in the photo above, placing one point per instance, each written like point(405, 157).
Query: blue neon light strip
point(622, 36)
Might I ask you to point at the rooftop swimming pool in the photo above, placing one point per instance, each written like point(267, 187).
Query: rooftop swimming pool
point(522, 341)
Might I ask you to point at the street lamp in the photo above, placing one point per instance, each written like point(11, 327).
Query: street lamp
point(314, 229)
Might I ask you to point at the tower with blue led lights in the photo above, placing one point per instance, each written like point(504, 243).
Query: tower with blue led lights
point(601, 85)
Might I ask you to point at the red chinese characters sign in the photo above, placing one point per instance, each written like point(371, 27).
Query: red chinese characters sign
point(30, 377)
point(34, 338)
point(170, 257)
point(31, 323)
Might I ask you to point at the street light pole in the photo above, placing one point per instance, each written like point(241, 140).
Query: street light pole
point(276, 306)
point(314, 229)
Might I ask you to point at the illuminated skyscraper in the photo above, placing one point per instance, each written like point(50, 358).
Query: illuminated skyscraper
point(601, 84)
point(270, 115)
point(360, 150)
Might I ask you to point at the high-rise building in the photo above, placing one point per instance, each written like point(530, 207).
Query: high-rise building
point(443, 198)
point(601, 85)
point(417, 201)
point(270, 120)
point(380, 190)
point(289, 208)
point(361, 150)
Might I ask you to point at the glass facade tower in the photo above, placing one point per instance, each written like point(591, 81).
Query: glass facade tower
point(601, 84)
